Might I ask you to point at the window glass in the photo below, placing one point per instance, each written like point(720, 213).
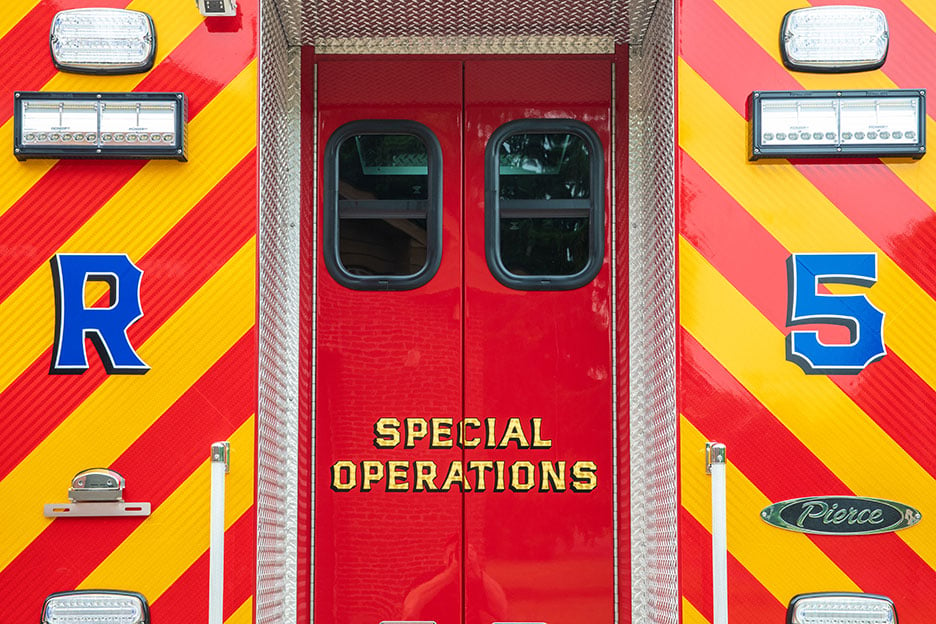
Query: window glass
point(382, 226)
point(545, 224)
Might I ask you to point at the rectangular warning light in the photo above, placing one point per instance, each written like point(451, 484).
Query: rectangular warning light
point(819, 124)
point(99, 125)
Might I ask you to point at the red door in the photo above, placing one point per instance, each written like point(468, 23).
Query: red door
point(464, 374)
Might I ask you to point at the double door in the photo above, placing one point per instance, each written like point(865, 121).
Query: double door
point(464, 433)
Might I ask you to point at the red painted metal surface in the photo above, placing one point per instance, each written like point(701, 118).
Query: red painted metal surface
point(389, 355)
point(534, 368)
point(539, 355)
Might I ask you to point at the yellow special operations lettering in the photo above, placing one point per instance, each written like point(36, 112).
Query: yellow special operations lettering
point(468, 433)
point(396, 476)
point(371, 472)
point(344, 476)
point(387, 433)
point(441, 433)
point(480, 467)
point(583, 475)
point(455, 476)
point(479, 475)
point(552, 476)
point(473, 475)
point(523, 483)
point(463, 426)
point(425, 474)
point(416, 429)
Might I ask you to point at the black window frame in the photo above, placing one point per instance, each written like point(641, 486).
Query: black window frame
point(332, 207)
point(495, 207)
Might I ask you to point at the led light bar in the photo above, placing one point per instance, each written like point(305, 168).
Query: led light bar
point(102, 41)
point(834, 39)
point(841, 608)
point(95, 607)
point(819, 124)
point(99, 125)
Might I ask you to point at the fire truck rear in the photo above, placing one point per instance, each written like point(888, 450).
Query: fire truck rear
point(467, 312)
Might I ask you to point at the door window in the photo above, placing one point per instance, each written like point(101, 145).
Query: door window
point(544, 204)
point(382, 197)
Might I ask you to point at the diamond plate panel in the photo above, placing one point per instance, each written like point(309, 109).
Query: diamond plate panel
point(278, 412)
point(422, 27)
point(655, 593)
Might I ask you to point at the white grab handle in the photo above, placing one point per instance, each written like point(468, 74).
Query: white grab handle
point(220, 464)
point(715, 462)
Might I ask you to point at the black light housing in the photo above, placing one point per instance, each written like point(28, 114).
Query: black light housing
point(99, 125)
point(820, 124)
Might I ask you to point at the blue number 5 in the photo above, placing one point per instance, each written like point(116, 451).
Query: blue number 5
point(805, 272)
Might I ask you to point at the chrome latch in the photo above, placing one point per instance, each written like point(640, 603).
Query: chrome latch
point(97, 492)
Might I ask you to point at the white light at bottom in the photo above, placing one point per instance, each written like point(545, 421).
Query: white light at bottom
point(94, 607)
point(841, 609)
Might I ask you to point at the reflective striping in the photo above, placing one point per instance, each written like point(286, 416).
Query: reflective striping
point(173, 27)
point(176, 534)
point(199, 244)
point(117, 225)
point(798, 216)
point(776, 558)
point(754, 262)
point(924, 9)
point(13, 12)
point(920, 176)
point(762, 22)
point(841, 435)
point(691, 615)
point(78, 442)
point(243, 614)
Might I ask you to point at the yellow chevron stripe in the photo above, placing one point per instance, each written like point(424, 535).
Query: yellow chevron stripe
point(785, 562)
point(924, 9)
point(800, 217)
point(762, 22)
point(11, 12)
point(167, 543)
point(243, 614)
point(124, 406)
point(813, 408)
point(691, 615)
point(172, 27)
point(137, 216)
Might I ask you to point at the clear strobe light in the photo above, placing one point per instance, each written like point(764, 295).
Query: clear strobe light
point(834, 39)
point(95, 607)
point(102, 41)
point(841, 608)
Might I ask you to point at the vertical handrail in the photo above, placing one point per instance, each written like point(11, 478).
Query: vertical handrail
point(220, 465)
point(715, 466)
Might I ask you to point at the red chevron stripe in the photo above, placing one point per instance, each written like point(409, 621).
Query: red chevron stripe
point(31, 71)
point(754, 262)
point(188, 68)
point(782, 468)
point(186, 600)
point(909, 58)
point(870, 195)
point(748, 600)
point(174, 269)
point(67, 551)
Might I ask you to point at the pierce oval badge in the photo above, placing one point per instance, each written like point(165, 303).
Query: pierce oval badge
point(840, 515)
